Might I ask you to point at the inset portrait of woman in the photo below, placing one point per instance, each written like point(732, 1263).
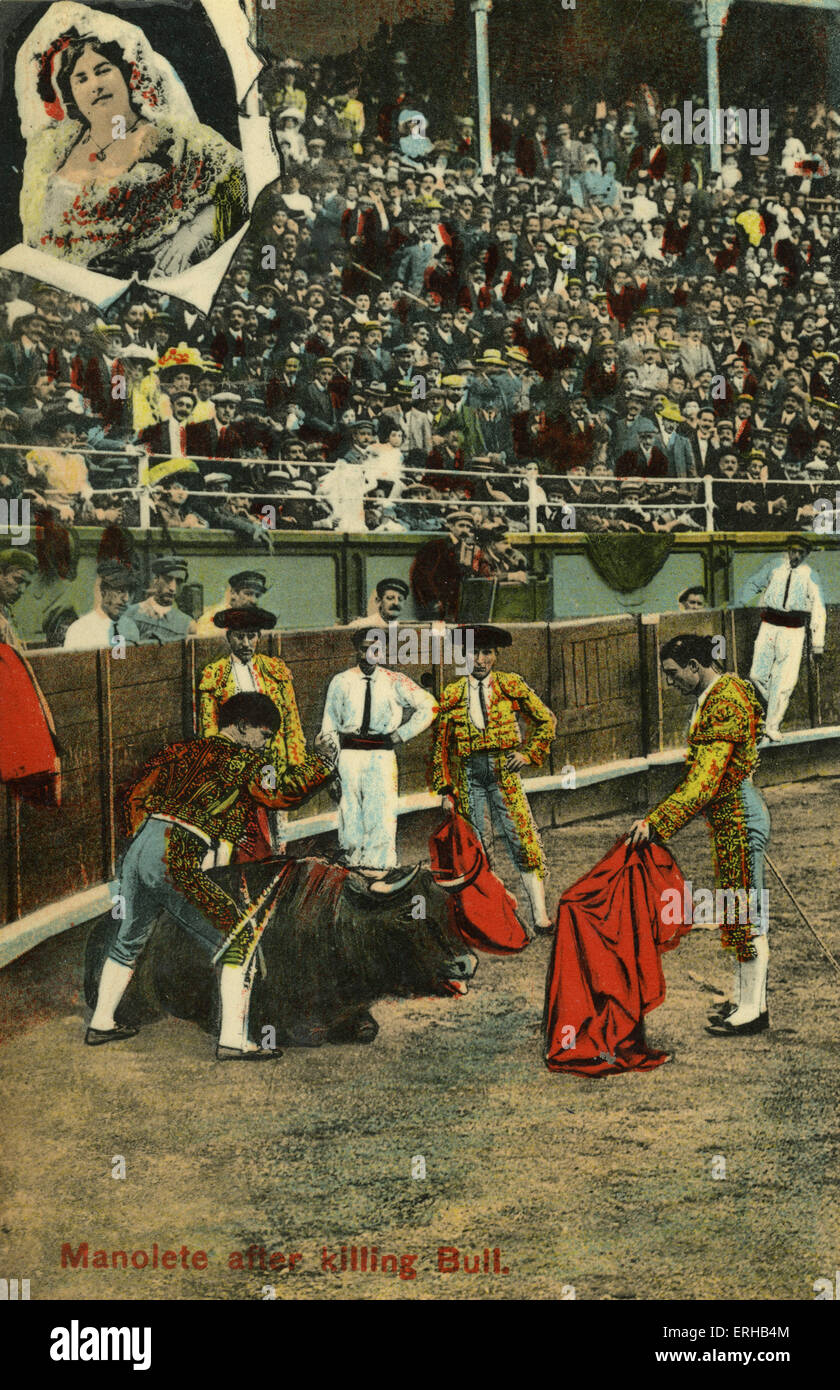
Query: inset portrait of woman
point(119, 175)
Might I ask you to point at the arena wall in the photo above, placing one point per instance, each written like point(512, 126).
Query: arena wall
point(322, 578)
point(618, 741)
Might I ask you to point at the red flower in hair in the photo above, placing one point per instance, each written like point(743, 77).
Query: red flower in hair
point(46, 88)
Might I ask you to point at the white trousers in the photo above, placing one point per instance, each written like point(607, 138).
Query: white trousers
point(367, 813)
point(775, 667)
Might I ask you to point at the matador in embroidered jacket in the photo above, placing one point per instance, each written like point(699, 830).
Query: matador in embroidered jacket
point(725, 729)
point(191, 799)
point(245, 670)
point(478, 755)
point(270, 676)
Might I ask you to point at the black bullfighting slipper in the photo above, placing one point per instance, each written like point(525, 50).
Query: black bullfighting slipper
point(235, 1054)
point(95, 1037)
point(546, 930)
point(725, 1029)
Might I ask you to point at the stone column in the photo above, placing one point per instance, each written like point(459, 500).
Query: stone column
point(481, 9)
point(709, 17)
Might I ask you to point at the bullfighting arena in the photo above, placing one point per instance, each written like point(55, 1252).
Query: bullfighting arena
point(710, 1178)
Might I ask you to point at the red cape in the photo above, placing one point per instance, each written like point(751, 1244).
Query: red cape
point(28, 757)
point(482, 911)
point(605, 972)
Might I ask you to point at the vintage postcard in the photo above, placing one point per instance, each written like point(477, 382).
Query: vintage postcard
point(419, 636)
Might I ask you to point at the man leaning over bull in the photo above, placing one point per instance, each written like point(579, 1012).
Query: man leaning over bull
point(190, 797)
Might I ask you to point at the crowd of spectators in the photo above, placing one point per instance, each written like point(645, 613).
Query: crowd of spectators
point(581, 338)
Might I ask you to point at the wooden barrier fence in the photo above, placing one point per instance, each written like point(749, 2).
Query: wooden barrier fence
point(601, 677)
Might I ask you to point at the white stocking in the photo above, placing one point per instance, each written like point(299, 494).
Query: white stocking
point(535, 888)
point(235, 993)
point(113, 984)
point(753, 980)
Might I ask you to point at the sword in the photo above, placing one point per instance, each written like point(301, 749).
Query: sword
point(245, 922)
point(812, 929)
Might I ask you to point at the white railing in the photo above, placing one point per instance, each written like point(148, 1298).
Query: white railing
point(144, 492)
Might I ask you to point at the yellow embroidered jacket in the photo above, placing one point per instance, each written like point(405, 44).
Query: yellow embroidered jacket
point(722, 752)
point(455, 735)
point(216, 786)
point(274, 680)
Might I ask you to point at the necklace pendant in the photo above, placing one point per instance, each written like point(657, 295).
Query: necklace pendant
point(101, 156)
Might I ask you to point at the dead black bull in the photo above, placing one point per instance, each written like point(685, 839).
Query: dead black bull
point(334, 943)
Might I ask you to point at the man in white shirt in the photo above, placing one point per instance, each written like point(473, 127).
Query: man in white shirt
point(345, 488)
point(385, 604)
point(792, 600)
point(363, 718)
point(643, 208)
point(105, 624)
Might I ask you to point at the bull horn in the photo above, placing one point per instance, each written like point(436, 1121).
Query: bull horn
point(386, 888)
point(453, 885)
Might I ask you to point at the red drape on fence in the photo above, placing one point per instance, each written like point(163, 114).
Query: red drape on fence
point(28, 758)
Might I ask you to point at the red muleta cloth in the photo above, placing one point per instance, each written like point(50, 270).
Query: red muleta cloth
point(482, 911)
point(29, 762)
point(605, 972)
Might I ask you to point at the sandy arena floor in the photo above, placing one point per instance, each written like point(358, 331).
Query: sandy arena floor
point(603, 1185)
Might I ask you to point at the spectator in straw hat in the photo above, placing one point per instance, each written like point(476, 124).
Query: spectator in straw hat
point(674, 445)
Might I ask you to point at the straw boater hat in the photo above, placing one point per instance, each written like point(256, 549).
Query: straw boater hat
point(491, 357)
point(170, 468)
point(181, 359)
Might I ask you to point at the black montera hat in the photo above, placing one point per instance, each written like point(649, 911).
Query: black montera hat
point(245, 619)
point(485, 635)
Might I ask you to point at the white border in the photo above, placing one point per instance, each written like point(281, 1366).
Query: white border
point(199, 284)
